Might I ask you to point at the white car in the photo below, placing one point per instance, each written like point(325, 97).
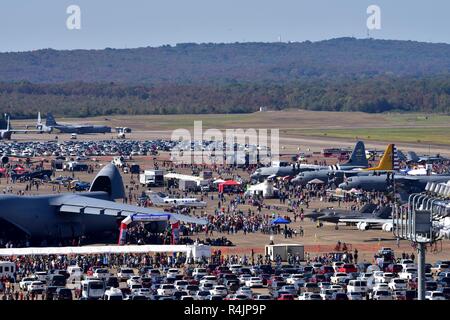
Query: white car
point(36, 286)
point(209, 279)
point(219, 291)
point(235, 268)
point(172, 273)
point(398, 284)
point(326, 294)
point(244, 278)
point(381, 295)
point(101, 274)
point(338, 277)
point(125, 273)
point(202, 295)
point(245, 291)
point(181, 284)
point(364, 276)
point(263, 297)
point(206, 286)
point(25, 282)
point(408, 274)
point(407, 263)
point(434, 295)
point(254, 282)
point(357, 286)
point(199, 272)
point(166, 290)
point(336, 288)
point(134, 280)
point(309, 296)
point(294, 277)
point(146, 292)
point(41, 276)
point(381, 286)
point(354, 296)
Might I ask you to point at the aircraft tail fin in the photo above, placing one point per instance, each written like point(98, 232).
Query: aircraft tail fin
point(412, 156)
point(368, 208)
point(39, 119)
point(358, 156)
point(50, 120)
point(8, 124)
point(155, 198)
point(389, 161)
point(384, 212)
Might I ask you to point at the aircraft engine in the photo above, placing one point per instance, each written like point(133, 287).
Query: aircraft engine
point(5, 160)
point(362, 226)
point(387, 227)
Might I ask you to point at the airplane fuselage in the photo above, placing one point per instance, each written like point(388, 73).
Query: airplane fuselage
point(39, 218)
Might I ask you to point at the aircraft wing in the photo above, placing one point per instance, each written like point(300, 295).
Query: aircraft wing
point(87, 205)
point(367, 220)
point(25, 131)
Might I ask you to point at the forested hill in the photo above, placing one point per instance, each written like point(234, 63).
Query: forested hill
point(229, 63)
point(343, 74)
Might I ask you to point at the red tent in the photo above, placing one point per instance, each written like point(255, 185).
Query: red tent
point(228, 183)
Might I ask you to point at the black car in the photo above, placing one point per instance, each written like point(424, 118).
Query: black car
point(446, 292)
point(50, 292)
point(180, 294)
point(57, 280)
point(431, 285)
point(146, 282)
point(63, 294)
point(445, 282)
point(112, 282)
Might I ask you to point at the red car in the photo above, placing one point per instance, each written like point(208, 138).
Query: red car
point(286, 296)
point(274, 278)
point(221, 270)
point(348, 268)
point(326, 270)
point(394, 268)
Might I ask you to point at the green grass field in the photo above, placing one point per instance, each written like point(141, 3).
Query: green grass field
point(435, 135)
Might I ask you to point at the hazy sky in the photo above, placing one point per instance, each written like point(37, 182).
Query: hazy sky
point(36, 24)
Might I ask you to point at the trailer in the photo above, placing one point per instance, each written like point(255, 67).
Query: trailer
point(283, 250)
point(152, 178)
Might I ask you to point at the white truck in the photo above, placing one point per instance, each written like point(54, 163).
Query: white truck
point(152, 178)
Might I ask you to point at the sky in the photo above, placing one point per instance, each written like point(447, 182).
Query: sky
point(35, 24)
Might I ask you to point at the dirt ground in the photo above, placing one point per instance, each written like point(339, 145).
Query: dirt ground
point(316, 240)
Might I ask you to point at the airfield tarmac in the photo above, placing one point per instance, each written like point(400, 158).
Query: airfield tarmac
point(292, 139)
point(316, 240)
point(298, 129)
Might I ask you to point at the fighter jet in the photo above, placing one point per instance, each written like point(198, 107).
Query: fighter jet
point(357, 160)
point(70, 215)
point(316, 214)
point(413, 157)
point(51, 124)
point(351, 216)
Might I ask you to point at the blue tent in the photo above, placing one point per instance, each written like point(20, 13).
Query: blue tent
point(280, 220)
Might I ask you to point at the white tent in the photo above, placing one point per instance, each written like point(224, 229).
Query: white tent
point(265, 188)
point(195, 251)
